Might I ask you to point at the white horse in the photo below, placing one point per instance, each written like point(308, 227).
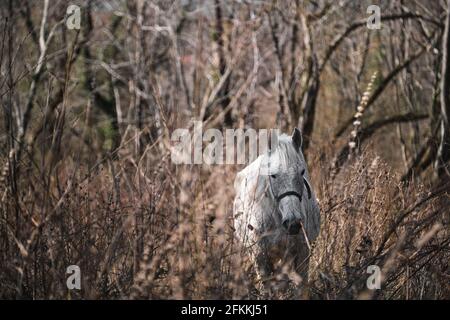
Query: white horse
point(276, 215)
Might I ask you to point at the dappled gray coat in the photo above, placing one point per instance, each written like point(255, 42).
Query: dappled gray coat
point(276, 214)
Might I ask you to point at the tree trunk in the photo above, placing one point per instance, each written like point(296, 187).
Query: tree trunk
point(443, 158)
point(224, 92)
point(308, 103)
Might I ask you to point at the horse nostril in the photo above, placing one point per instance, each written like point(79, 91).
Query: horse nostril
point(292, 227)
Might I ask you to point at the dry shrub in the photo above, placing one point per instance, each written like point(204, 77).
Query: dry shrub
point(370, 219)
point(149, 229)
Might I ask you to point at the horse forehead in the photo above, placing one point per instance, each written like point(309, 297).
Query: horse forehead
point(288, 165)
point(283, 158)
point(287, 179)
point(275, 163)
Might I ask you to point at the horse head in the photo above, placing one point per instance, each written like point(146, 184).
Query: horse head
point(288, 182)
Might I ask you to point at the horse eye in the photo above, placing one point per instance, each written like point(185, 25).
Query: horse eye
point(273, 176)
point(303, 172)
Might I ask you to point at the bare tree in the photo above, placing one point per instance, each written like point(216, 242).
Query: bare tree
point(443, 156)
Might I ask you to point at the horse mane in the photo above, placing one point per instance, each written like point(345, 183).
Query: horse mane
point(271, 162)
point(287, 154)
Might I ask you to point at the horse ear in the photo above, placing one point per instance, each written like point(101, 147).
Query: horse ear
point(308, 188)
point(297, 139)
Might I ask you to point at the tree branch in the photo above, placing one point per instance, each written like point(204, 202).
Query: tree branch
point(380, 88)
point(338, 40)
point(368, 131)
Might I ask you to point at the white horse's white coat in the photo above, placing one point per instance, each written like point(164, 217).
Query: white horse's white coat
point(258, 215)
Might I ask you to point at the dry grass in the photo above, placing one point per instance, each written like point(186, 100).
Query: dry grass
point(160, 231)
